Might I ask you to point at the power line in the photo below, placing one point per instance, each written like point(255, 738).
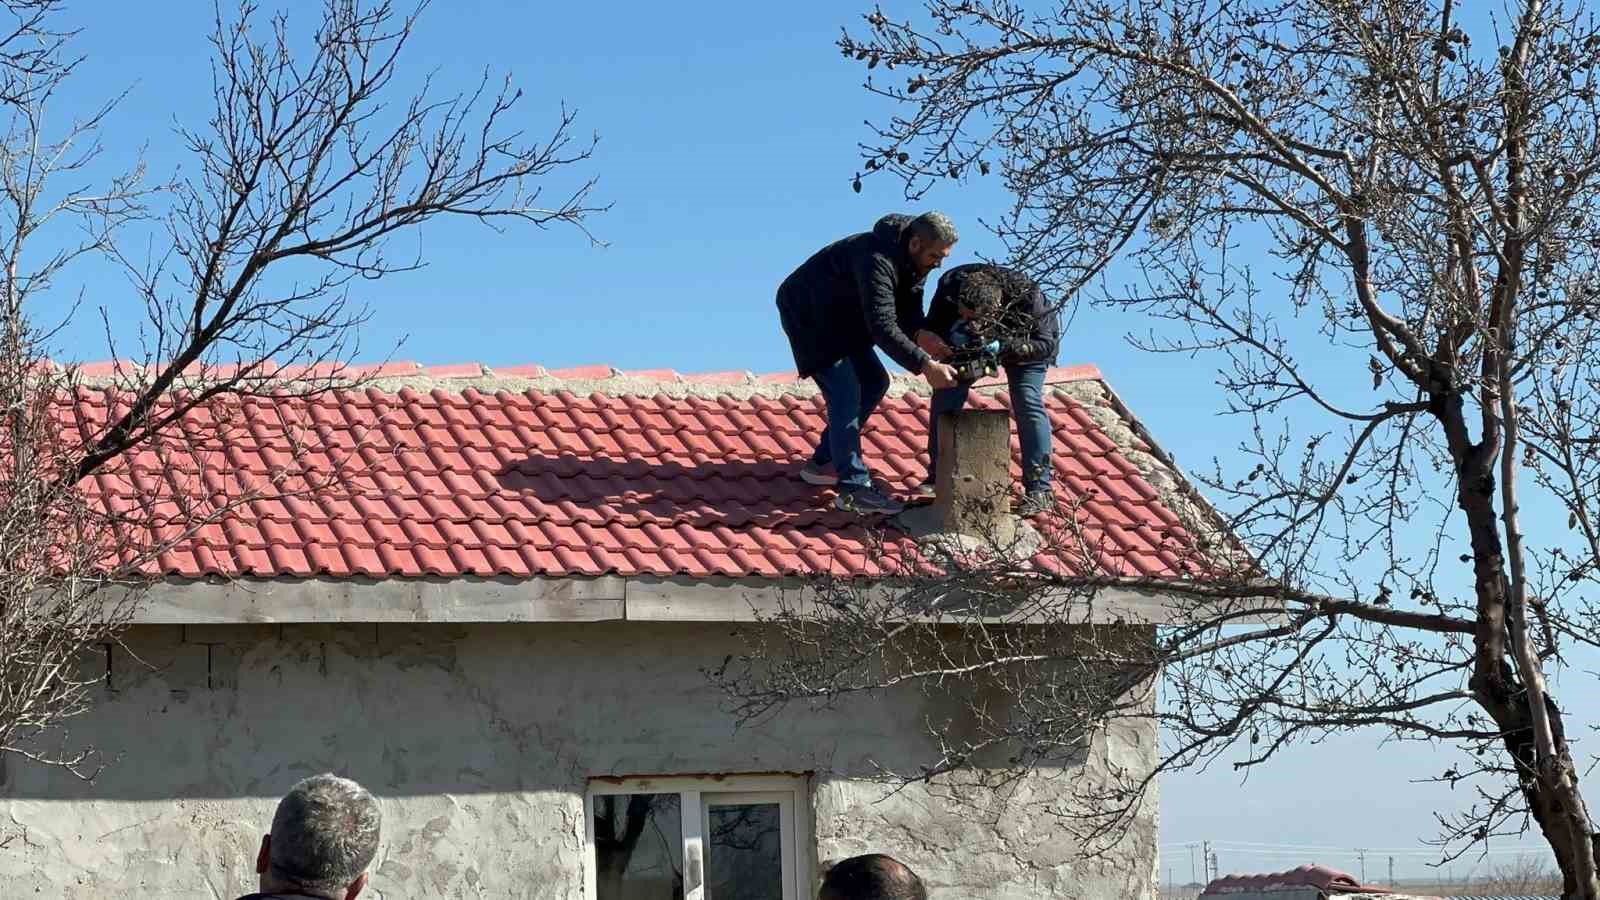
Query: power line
point(1265, 847)
point(1354, 851)
point(1256, 844)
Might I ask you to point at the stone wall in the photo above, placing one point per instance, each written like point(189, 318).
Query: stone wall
point(479, 740)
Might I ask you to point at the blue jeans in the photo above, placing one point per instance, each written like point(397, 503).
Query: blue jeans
point(852, 388)
point(1026, 382)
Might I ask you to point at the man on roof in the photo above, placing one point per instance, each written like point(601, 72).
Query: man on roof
point(852, 295)
point(979, 306)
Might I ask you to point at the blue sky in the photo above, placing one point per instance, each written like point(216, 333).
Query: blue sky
point(728, 137)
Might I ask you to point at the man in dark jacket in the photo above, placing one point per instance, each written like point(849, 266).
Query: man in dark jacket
point(324, 836)
point(984, 302)
point(854, 294)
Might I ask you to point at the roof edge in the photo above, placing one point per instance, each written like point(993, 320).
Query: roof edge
point(547, 599)
point(1195, 502)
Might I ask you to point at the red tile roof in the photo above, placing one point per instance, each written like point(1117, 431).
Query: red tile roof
point(1312, 877)
point(695, 479)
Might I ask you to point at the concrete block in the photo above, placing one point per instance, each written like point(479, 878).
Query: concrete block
point(229, 634)
point(222, 673)
point(420, 645)
point(973, 480)
point(355, 638)
point(157, 653)
point(91, 664)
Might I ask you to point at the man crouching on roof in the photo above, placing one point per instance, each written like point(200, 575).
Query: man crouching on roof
point(980, 302)
point(861, 291)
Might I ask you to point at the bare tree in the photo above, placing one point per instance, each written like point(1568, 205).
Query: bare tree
point(1379, 221)
point(302, 174)
point(1523, 876)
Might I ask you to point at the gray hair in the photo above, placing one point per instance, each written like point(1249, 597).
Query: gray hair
point(933, 226)
point(325, 833)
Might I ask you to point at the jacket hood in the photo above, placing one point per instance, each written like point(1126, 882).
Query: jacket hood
point(890, 227)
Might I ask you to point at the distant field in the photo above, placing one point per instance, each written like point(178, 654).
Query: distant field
point(1486, 888)
point(1458, 889)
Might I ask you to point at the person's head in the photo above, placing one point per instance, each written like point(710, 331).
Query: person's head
point(980, 295)
point(929, 238)
point(324, 836)
point(872, 876)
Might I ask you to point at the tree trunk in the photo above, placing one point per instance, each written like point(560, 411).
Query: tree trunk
point(1551, 790)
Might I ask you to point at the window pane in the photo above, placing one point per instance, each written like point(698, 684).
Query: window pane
point(744, 852)
point(638, 847)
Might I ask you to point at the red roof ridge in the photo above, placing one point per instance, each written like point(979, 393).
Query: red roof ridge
point(393, 375)
point(1313, 875)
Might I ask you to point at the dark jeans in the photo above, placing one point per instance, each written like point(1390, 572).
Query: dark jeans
point(852, 388)
point(1026, 381)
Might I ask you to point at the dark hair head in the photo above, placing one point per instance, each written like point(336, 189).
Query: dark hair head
point(872, 876)
point(980, 291)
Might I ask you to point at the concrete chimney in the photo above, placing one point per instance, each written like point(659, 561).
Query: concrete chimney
point(973, 481)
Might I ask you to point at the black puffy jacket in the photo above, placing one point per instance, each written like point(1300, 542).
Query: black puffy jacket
point(1026, 312)
point(852, 294)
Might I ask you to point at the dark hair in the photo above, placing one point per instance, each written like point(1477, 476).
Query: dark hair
point(981, 291)
point(872, 876)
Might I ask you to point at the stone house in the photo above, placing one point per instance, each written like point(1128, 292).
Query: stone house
point(498, 625)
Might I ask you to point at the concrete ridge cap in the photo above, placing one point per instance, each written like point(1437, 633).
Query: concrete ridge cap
point(392, 376)
point(610, 381)
point(438, 600)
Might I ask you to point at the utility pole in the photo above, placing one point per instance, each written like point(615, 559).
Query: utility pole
point(1361, 854)
point(1391, 871)
point(1205, 859)
point(1192, 879)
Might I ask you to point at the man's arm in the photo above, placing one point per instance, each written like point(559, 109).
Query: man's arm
point(875, 279)
point(942, 312)
point(1044, 339)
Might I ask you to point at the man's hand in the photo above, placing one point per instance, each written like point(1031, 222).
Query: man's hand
point(939, 375)
point(1021, 351)
point(933, 345)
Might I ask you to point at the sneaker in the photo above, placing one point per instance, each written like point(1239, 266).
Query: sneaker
point(819, 475)
point(867, 501)
point(1035, 503)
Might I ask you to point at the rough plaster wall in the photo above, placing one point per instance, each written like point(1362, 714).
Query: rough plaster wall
point(478, 740)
